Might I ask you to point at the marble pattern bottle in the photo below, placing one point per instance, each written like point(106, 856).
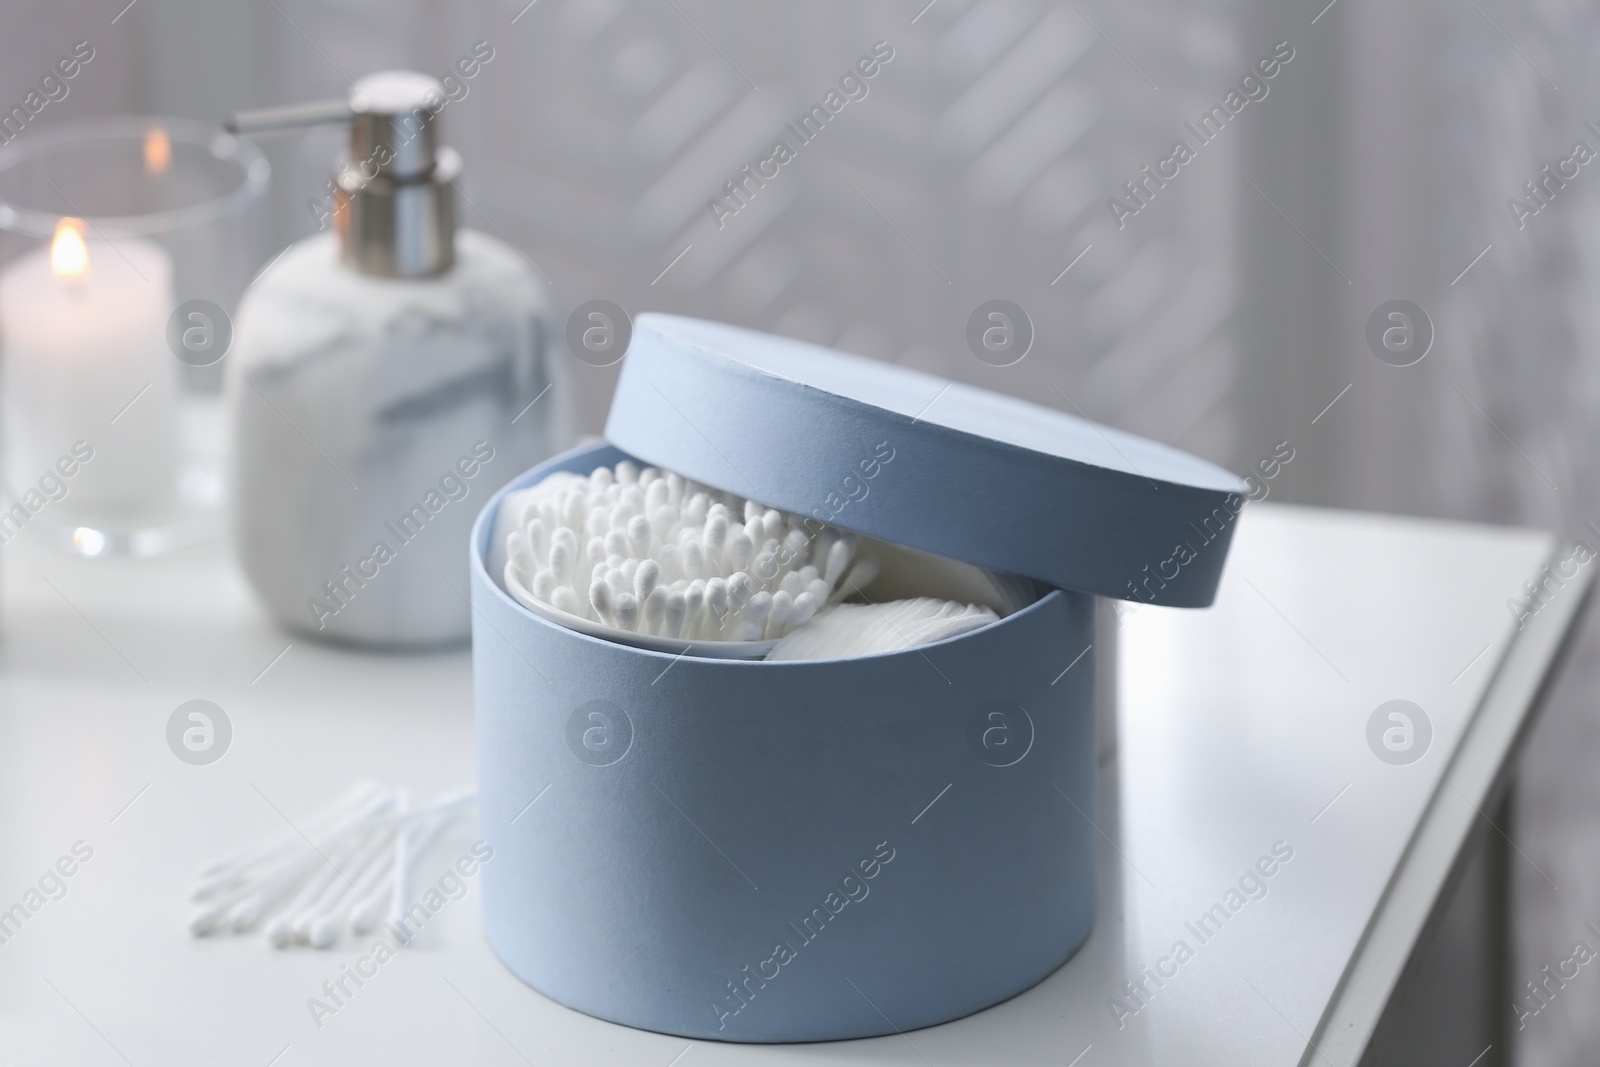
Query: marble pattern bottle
point(385, 379)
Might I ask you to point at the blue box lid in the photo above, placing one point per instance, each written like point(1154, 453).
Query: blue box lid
point(907, 457)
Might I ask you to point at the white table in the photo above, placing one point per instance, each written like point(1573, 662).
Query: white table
point(1240, 727)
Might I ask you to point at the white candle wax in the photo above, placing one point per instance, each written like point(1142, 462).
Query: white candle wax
point(85, 359)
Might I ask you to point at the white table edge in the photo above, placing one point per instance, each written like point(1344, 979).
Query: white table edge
point(1479, 768)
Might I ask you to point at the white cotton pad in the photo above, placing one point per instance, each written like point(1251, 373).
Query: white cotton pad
point(846, 630)
point(904, 573)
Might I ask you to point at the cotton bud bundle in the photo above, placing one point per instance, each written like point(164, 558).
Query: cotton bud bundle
point(653, 553)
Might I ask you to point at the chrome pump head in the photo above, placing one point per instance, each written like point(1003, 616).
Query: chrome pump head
point(394, 197)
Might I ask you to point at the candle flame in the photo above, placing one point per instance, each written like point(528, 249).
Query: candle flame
point(69, 256)
point(157, 151)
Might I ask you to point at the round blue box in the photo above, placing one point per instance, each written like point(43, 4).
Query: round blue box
point(803, 851)
point(753, 851)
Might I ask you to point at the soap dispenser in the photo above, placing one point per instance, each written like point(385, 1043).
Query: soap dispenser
point(385, 377)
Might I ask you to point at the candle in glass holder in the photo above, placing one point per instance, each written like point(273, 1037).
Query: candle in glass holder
point(83, 345)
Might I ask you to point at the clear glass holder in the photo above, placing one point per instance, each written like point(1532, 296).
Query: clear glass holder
point(125, 244)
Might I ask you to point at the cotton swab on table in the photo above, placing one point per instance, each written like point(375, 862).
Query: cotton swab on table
point(280, 930)
point(318, 921)
point(364, 916)
point(251, 900)
point(323, 929)
point(426, 834)
point(221, 873)
point(401, 882)
point(244, 914)
point(354, 856)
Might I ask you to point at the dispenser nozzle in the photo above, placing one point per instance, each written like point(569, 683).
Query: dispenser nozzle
point(290, 117)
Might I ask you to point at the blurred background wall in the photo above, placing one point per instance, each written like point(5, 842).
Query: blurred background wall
point(1228, 313)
